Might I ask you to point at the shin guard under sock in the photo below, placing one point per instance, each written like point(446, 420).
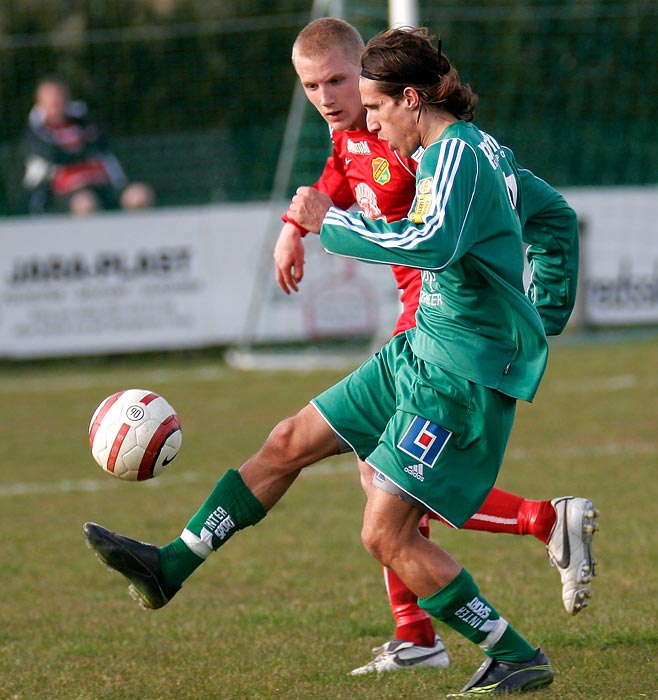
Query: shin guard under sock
point(230, 507)
point(460, 605)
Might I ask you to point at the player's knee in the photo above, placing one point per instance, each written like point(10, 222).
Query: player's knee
point(285, 444)
point(376, 543)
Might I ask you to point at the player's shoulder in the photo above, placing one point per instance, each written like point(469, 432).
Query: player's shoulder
point(466, 142)
point(467, 134)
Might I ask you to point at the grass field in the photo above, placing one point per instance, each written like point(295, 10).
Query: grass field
point(286, 609)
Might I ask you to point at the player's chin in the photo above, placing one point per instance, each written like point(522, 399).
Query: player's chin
point(339, 123)
point(402, 152)
point(340, 126)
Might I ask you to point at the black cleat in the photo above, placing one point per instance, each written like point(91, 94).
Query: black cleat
point(138, 561)
point(504, 677)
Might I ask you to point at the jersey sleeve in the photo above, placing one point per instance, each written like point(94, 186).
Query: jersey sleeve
point(334, 183)
point(436, 231)
point(550, 228)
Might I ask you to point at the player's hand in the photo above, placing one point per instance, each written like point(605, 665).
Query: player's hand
point(309, 207)
point(289, 258)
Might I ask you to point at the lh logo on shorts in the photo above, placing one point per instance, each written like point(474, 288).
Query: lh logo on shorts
point(424, 441)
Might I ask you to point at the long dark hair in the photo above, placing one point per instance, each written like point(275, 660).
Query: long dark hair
point(405, 57)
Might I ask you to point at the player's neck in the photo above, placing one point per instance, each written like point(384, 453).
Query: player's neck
point(435, 124)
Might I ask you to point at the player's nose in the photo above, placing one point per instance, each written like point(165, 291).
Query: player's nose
point(327, 96)
point(372, 124)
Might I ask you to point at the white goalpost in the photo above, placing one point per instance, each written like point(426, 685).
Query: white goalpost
point(337, 285)
point(403, 13)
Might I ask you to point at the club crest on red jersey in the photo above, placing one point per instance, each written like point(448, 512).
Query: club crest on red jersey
point(424, 441)
point(381, 171)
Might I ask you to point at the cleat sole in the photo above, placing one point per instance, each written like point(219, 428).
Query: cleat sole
point(570, 549)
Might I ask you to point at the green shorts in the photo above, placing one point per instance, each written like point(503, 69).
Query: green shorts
point(436, 436)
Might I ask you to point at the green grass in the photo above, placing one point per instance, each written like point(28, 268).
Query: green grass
point(288, 608)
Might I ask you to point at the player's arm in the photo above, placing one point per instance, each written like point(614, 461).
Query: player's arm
point(435, 233)
point(289, 249)
point(289, 258)
point(334, 183)
point(551, 232)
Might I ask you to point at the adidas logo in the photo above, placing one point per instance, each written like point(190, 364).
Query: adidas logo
point(415, 470)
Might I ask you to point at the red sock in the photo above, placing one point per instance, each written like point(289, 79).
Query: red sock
point(412, 624)
point(537, 518)
point(506, 512)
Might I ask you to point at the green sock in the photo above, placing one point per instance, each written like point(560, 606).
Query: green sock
point(461, 607)
point(230, 507)
point(178, 561)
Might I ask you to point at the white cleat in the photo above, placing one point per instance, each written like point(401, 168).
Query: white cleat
point(397, 655)
point(570, 549)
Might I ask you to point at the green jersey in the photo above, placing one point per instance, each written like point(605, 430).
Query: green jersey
point(550, 229)
point(465, 232)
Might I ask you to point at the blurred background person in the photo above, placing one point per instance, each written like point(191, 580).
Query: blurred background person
point(69, 165)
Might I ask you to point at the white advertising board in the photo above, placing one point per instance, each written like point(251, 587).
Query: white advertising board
point(123, 281)
point(193, 277)
point(619, 254)
point(171, 278)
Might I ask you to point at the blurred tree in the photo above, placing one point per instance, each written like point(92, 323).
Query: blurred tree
point(196, 93)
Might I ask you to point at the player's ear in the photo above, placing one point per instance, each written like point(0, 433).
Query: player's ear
point(410, 97)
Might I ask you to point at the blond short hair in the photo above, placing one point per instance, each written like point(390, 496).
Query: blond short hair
point(323, 34)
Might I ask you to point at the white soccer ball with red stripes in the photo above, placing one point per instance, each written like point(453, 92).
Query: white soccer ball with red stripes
point(135, 434)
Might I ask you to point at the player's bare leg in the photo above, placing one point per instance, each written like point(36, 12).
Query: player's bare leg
point(415, 642)
point(294, 443)
point(241, 498)
point(448, 593)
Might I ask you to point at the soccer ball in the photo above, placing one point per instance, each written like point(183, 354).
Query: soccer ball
point(134, 434)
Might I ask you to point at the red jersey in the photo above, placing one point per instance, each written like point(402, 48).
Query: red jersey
point(363, 170)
